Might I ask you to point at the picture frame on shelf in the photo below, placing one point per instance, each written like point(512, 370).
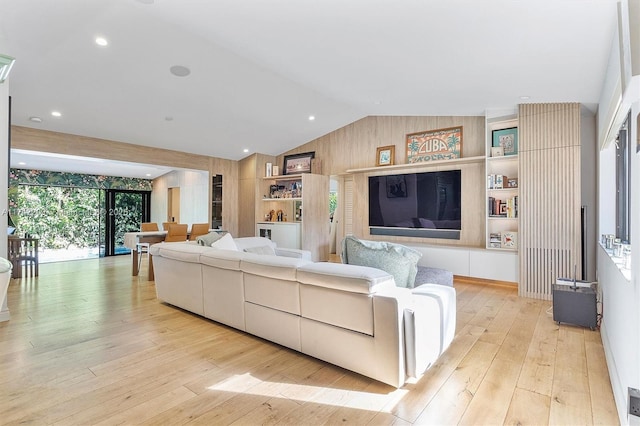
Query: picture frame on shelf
point(497, 151)
point(507, 139)
point(298, 163)
point(385, 155)
point(512, 182)
point(434, 145)
point(509, 240)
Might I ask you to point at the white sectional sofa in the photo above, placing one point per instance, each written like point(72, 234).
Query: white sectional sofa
point(351, 316)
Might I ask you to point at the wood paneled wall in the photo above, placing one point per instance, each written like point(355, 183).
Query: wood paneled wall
point(549, 195)
point(354, 146)
point(63, 143)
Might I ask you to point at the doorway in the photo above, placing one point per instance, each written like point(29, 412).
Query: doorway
point(173, 204)
point(124, 212)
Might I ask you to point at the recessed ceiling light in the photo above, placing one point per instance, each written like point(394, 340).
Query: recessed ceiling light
point(22, 163)
point(148, 174)
point(377, 102)
point(312, 117)
point(35, 119)
point(245, 150)
point(56, 113)
point(524, 98)
point(180, 71)
point(101, 41)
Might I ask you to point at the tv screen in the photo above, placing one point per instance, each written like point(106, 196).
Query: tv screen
point(417, 204)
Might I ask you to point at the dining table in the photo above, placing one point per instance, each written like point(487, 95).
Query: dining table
point(131, 241)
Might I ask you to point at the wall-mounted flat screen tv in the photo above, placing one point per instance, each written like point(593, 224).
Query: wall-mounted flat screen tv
point(424, 204)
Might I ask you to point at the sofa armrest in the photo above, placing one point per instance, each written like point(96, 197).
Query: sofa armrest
point(430, 325)
point(298, 254)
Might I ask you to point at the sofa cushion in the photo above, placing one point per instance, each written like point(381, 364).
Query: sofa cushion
point(264, 250)
point(396, 259)
point(246, 242)
point(225, 259)
point(428, 275)
point(178, 251)
point(353, 278)
point(277, 267)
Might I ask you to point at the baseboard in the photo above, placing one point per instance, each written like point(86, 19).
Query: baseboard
point(619, 392)
point(483, 281)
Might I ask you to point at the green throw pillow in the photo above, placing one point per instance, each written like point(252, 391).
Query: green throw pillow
point(208, 239)
point(395, 259)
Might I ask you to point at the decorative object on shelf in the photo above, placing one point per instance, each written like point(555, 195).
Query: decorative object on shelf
point(298, 163)
point(396, 186)
point(512, 182)
point(507, 139)
point(276, 170)
point(510, 239)
point(497, 151)
point(433, 145)
point(385, 155)
point(269, 170)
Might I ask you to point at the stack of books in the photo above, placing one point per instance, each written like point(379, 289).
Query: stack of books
point(503, 208)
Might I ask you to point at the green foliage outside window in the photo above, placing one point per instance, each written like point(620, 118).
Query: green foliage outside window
point(333, 203)
point(59, 217)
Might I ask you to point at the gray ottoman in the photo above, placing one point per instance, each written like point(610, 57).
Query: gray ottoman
point(427, 275)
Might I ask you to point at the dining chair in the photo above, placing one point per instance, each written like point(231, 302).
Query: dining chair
point(165, 225)
point(177, 232)
point(144, 247)
point(198, 229)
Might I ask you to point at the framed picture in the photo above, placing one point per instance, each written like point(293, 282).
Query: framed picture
point(385, 155)
point(434, 145)
point(509, 240)
point(497, 151)
point(396, 186)
point(512, 182)
point(298, 163)
point(507, 139)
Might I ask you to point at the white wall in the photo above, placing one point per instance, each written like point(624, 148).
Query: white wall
point(620, 327)
point(194, 196)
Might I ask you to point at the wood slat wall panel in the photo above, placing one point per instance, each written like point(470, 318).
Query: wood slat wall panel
point(550, 195)
point(348, 206)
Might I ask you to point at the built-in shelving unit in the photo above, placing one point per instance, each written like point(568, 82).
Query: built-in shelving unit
point(296, 199)
point(502, 192)
point(399, 167)
point(216, 201)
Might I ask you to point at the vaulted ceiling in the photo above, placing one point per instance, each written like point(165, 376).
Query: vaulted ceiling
point(260, 68)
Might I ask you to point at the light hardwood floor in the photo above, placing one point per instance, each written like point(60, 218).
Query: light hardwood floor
point(89, 344)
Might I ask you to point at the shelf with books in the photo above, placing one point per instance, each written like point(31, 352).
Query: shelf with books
point(502, 188)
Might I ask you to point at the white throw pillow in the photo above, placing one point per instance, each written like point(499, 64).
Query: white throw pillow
point(225, 243)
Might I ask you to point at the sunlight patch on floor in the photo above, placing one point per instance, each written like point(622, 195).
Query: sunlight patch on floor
point(247, 384)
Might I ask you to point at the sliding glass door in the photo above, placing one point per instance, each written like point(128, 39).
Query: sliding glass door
point(124, 212)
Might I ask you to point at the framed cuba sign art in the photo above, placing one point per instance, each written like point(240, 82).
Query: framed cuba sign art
point(434, 145)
